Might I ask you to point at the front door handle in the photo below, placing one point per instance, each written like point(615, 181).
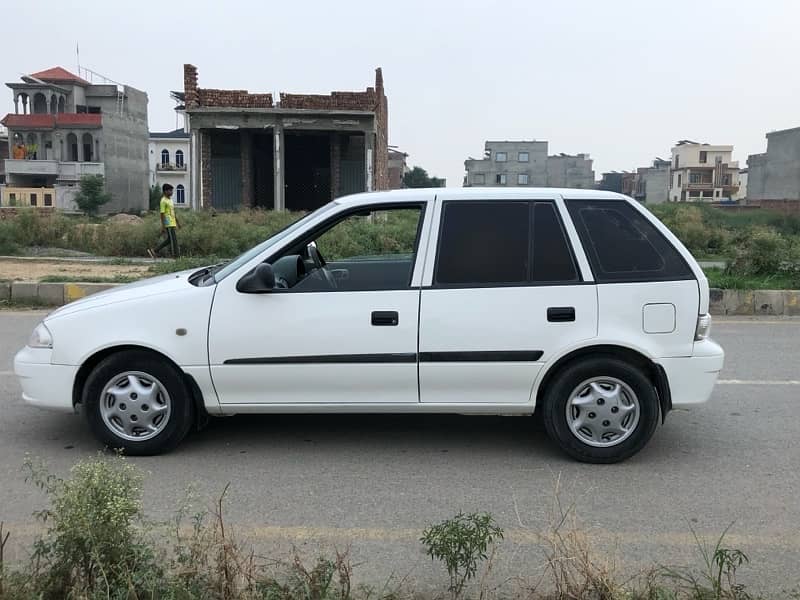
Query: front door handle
point(561, 314)
point(385, 318)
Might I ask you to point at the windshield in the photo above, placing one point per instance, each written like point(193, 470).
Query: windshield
point(249, 255)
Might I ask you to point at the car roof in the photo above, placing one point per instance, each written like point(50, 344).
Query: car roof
point(483, 193)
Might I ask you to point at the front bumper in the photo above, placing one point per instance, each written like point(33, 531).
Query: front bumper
point(691, 379)
point(44, 384)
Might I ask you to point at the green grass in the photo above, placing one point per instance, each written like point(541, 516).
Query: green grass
point(718, 278)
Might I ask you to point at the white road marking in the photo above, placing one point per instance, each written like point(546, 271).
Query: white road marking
point(757, 382)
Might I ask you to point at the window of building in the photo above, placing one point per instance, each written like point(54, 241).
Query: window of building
point(523, 157)
point(677, 161)
point(33, 200)
point(501, 156)
point(717, 193)
point(478, 179)
point(622, 245)
point(679, 180)
point(718, 158)
point(695, 177)
point(703, 156)
point(708, 193)
point(552, 256)
point(500, 179)
point(694, 194)
point(178, 158)
point(48, 199)
point(180, 193)
point(483, 243)
point(726, 179)
point(522, 179)
point(164, 157)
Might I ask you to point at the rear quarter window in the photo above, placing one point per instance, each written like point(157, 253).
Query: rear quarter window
point(623, 246)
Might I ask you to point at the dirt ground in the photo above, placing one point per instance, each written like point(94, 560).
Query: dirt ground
point(34, 270)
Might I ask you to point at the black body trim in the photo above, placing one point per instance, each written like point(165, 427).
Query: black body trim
point(326, 359)
point(477, 356)
point(481, 356)
point(664, 393)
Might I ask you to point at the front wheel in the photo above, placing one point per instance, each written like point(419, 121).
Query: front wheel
point(137, 402)
point(601, 410)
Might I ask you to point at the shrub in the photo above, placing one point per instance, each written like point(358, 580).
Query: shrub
point(92, 194)
point(761, 252)
point(7, 243)
point(461, 542)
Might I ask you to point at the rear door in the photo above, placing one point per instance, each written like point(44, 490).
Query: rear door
point(502, 293)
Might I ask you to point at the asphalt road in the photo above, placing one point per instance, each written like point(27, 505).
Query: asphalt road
point(374, 482)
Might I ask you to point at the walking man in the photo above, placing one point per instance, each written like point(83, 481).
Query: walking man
point(169, 223)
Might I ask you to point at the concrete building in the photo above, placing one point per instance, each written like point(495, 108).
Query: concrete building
point(297, 153)
point(65, 126)
point(4, 153)
point(526, 163)
point(170, 162)
point(775, 174)
point(397, 168)
point(703, 173)
point(741, 195)
point(651, 184)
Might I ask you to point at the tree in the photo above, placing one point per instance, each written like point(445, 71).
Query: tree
point(155, 196)
point(92, 194)
point(419, 178)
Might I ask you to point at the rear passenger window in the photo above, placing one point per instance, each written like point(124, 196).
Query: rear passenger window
point(622, 245)
point(552, 257)
point(484, 243)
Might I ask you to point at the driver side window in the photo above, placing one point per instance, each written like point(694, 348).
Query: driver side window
point(364, 251)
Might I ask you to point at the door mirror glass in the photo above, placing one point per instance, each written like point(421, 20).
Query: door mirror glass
point(260, 280)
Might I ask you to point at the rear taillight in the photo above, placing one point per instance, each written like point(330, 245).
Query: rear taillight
point(703, 327)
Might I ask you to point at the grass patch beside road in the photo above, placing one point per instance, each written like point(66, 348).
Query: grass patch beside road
point(719, 278)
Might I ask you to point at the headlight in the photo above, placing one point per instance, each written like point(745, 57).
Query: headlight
point(41, 337)
point(703, 327)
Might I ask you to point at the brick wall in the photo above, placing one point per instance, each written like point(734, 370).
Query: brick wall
point(233, 98)
point(190, 85)
point(10, 212)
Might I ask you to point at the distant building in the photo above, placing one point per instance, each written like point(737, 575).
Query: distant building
point(297, 152)
point(741, 195)
point(703, 173)
point(170, 162)
point(651, 184)
point(397, 168)
point(65, 126)
point(4, 153)
point(775, 174)
point(526, 164)
point(611, 182)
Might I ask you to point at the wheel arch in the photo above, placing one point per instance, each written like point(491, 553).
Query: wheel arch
point(95, 359)
point(652, 370)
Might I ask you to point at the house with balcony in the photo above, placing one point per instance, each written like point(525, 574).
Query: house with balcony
point(702, 173)
point(170, 162)
point(65, 126)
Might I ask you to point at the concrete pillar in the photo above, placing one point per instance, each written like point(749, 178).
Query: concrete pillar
point(246, 150)
point(278, 162)
point(369, 157)
point(47, 102)
point(39, 146)
point(16, 104)
point(79, 136)
point(336, 164)
point(194, 170)
point(24, 104)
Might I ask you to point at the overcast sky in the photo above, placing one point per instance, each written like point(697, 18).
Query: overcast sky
point(621, 80)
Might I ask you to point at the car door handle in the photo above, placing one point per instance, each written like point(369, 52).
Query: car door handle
point(385, 318)
point(561, 314)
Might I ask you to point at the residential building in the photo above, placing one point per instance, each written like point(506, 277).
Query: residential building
point(526, 163)
point(66, 126)
point(741, 195)
point(651, 184)
point(612, 181)
point(702, 173)
point(170, 162)
point(4, 153)
point(775, 174)
point(397, 168)
point(297, 153)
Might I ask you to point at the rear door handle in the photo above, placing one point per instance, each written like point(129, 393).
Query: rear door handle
point(561, 314)
point(385, 318)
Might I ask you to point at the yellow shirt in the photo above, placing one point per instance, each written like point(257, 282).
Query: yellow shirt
point(167, 212)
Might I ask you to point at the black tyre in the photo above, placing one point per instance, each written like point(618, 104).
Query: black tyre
point(138, 402)
point(601, 409)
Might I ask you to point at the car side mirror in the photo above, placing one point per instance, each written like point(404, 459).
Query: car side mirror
point(260, 280)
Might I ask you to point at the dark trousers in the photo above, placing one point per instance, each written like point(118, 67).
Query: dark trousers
point(171, 240)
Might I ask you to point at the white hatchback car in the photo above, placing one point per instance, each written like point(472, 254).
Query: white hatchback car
point(578, 304)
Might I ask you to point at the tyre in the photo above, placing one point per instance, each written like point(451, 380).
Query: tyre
point(600, 410)
point(138, 402)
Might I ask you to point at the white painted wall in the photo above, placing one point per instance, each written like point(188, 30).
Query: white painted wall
point(184, 178)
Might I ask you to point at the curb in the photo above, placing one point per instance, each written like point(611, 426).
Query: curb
point(50, 294)
point(778, 303)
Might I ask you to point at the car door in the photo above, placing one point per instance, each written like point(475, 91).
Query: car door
point(503, 292)
point(344, 334)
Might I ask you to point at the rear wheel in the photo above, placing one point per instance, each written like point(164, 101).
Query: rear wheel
point(601, 410)
point(137, 402)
